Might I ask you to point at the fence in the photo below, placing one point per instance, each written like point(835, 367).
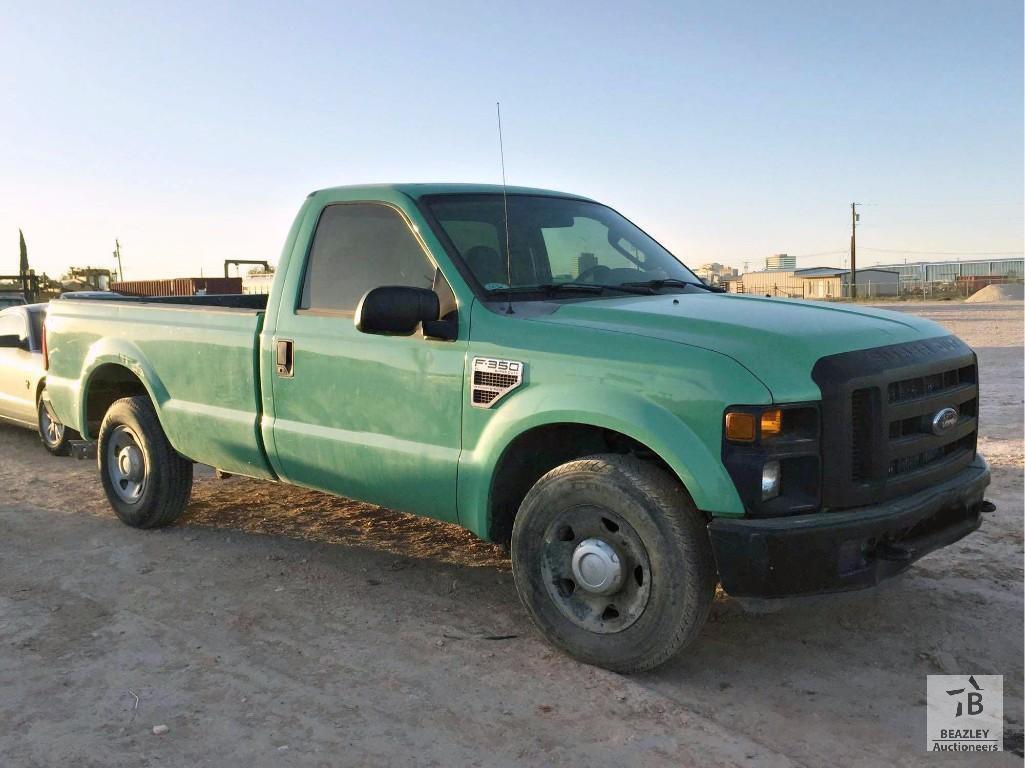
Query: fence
point(831, 290)
point(945, 289)
point(822, 290)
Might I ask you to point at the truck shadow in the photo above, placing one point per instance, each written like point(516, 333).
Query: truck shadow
point(856, 662)
point(266, 508)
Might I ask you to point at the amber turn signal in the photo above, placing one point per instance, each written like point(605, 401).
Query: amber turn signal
point(740, 427)
point(772, 422)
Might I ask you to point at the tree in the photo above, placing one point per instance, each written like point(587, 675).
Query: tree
point(23, 252)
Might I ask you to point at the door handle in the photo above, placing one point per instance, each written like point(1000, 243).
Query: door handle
point(284, 357)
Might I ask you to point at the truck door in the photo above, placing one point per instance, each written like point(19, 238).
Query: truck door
point(371, 417)
point(19, 370)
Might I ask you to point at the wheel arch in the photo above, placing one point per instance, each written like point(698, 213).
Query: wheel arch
point(521, 444)
point(106, 382)
point(536, 451)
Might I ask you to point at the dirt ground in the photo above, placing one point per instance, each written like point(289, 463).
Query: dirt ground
point(276, 626)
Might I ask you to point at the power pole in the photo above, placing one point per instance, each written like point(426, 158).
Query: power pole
point(854, 252)
point(117, 255)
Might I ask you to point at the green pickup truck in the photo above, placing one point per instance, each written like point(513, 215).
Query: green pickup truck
point(532, 366)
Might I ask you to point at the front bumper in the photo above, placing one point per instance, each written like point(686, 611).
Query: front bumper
point(841, 551)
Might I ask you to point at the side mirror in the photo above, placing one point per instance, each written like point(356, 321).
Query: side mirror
point(396, 309)
point(12, 341)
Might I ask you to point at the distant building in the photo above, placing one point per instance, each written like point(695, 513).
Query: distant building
point(715, 273)
point(917, 275)
point(777, 282)
point(86, 279)
point(816, 283)
point(257, 281)
point(179, 286)
point(732, 284)
point(833, 283)
point(780, 262)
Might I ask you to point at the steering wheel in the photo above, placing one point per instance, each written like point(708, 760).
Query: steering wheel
point(589, 274)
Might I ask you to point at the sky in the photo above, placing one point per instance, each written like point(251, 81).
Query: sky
point(730, 131)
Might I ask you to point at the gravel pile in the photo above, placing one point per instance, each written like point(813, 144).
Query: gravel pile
point(1004, 292)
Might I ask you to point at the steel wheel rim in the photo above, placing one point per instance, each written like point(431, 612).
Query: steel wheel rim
point(52, 430)
point(127, 468)
point(576, 530)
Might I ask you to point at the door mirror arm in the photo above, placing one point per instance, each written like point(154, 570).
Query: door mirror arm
point(442, 330)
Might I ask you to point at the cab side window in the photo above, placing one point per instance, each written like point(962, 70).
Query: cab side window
point(359, 246)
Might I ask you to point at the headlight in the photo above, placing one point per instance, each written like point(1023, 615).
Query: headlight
point(770, 480)
point(772, 455)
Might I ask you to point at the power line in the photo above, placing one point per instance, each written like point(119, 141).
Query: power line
point(927, 204)
point(944, 253)
point(820, 253)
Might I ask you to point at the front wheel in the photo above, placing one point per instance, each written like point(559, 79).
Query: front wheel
point(613, 562)
point(55, 437)
point(147, 482)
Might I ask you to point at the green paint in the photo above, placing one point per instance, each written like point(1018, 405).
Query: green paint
point(387, 419)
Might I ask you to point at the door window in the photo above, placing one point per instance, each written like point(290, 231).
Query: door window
point(359, 246)
point(13, 325)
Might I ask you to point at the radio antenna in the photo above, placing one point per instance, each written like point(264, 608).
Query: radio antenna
point(505, 209)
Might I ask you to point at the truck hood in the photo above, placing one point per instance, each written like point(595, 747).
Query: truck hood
point(778, 340)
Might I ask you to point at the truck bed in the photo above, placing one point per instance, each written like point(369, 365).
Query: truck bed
point(196, 356)
point(226, 300)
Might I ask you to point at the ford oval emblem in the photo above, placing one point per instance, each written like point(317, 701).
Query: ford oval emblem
point(944, 420)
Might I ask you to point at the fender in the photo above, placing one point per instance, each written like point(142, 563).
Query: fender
point(686, 453)
point(125, 354)
point(226, 437)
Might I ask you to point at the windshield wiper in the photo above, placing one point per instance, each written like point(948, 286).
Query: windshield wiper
point(674, 282)
point(571, 288)
point(548, 289)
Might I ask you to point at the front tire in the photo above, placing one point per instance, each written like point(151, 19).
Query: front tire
point(55, 437)
point(613, 562)
point(147, 483)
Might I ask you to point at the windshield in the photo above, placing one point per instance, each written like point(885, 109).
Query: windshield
point(554, 243)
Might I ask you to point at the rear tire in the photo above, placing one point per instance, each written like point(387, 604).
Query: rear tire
point(55, 437)
point(147, 483)
point(613, 562)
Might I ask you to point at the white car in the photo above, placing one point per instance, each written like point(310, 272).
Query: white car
point(23, 399)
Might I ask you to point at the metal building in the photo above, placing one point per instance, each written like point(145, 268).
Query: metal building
point(834, 283)
point(921, 274)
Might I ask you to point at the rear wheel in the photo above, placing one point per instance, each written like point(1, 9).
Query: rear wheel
point(613, 562)
point(147, 483)
point(55, 437)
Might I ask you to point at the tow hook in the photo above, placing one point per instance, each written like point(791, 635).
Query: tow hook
point(83, 449)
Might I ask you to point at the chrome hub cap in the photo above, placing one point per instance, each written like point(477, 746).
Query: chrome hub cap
point(53, 430)
point(596, 567)
point(126, 464)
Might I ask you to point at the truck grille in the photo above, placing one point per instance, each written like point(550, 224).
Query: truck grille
point(921, 386)
point(861, 433)
point(879, 405)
